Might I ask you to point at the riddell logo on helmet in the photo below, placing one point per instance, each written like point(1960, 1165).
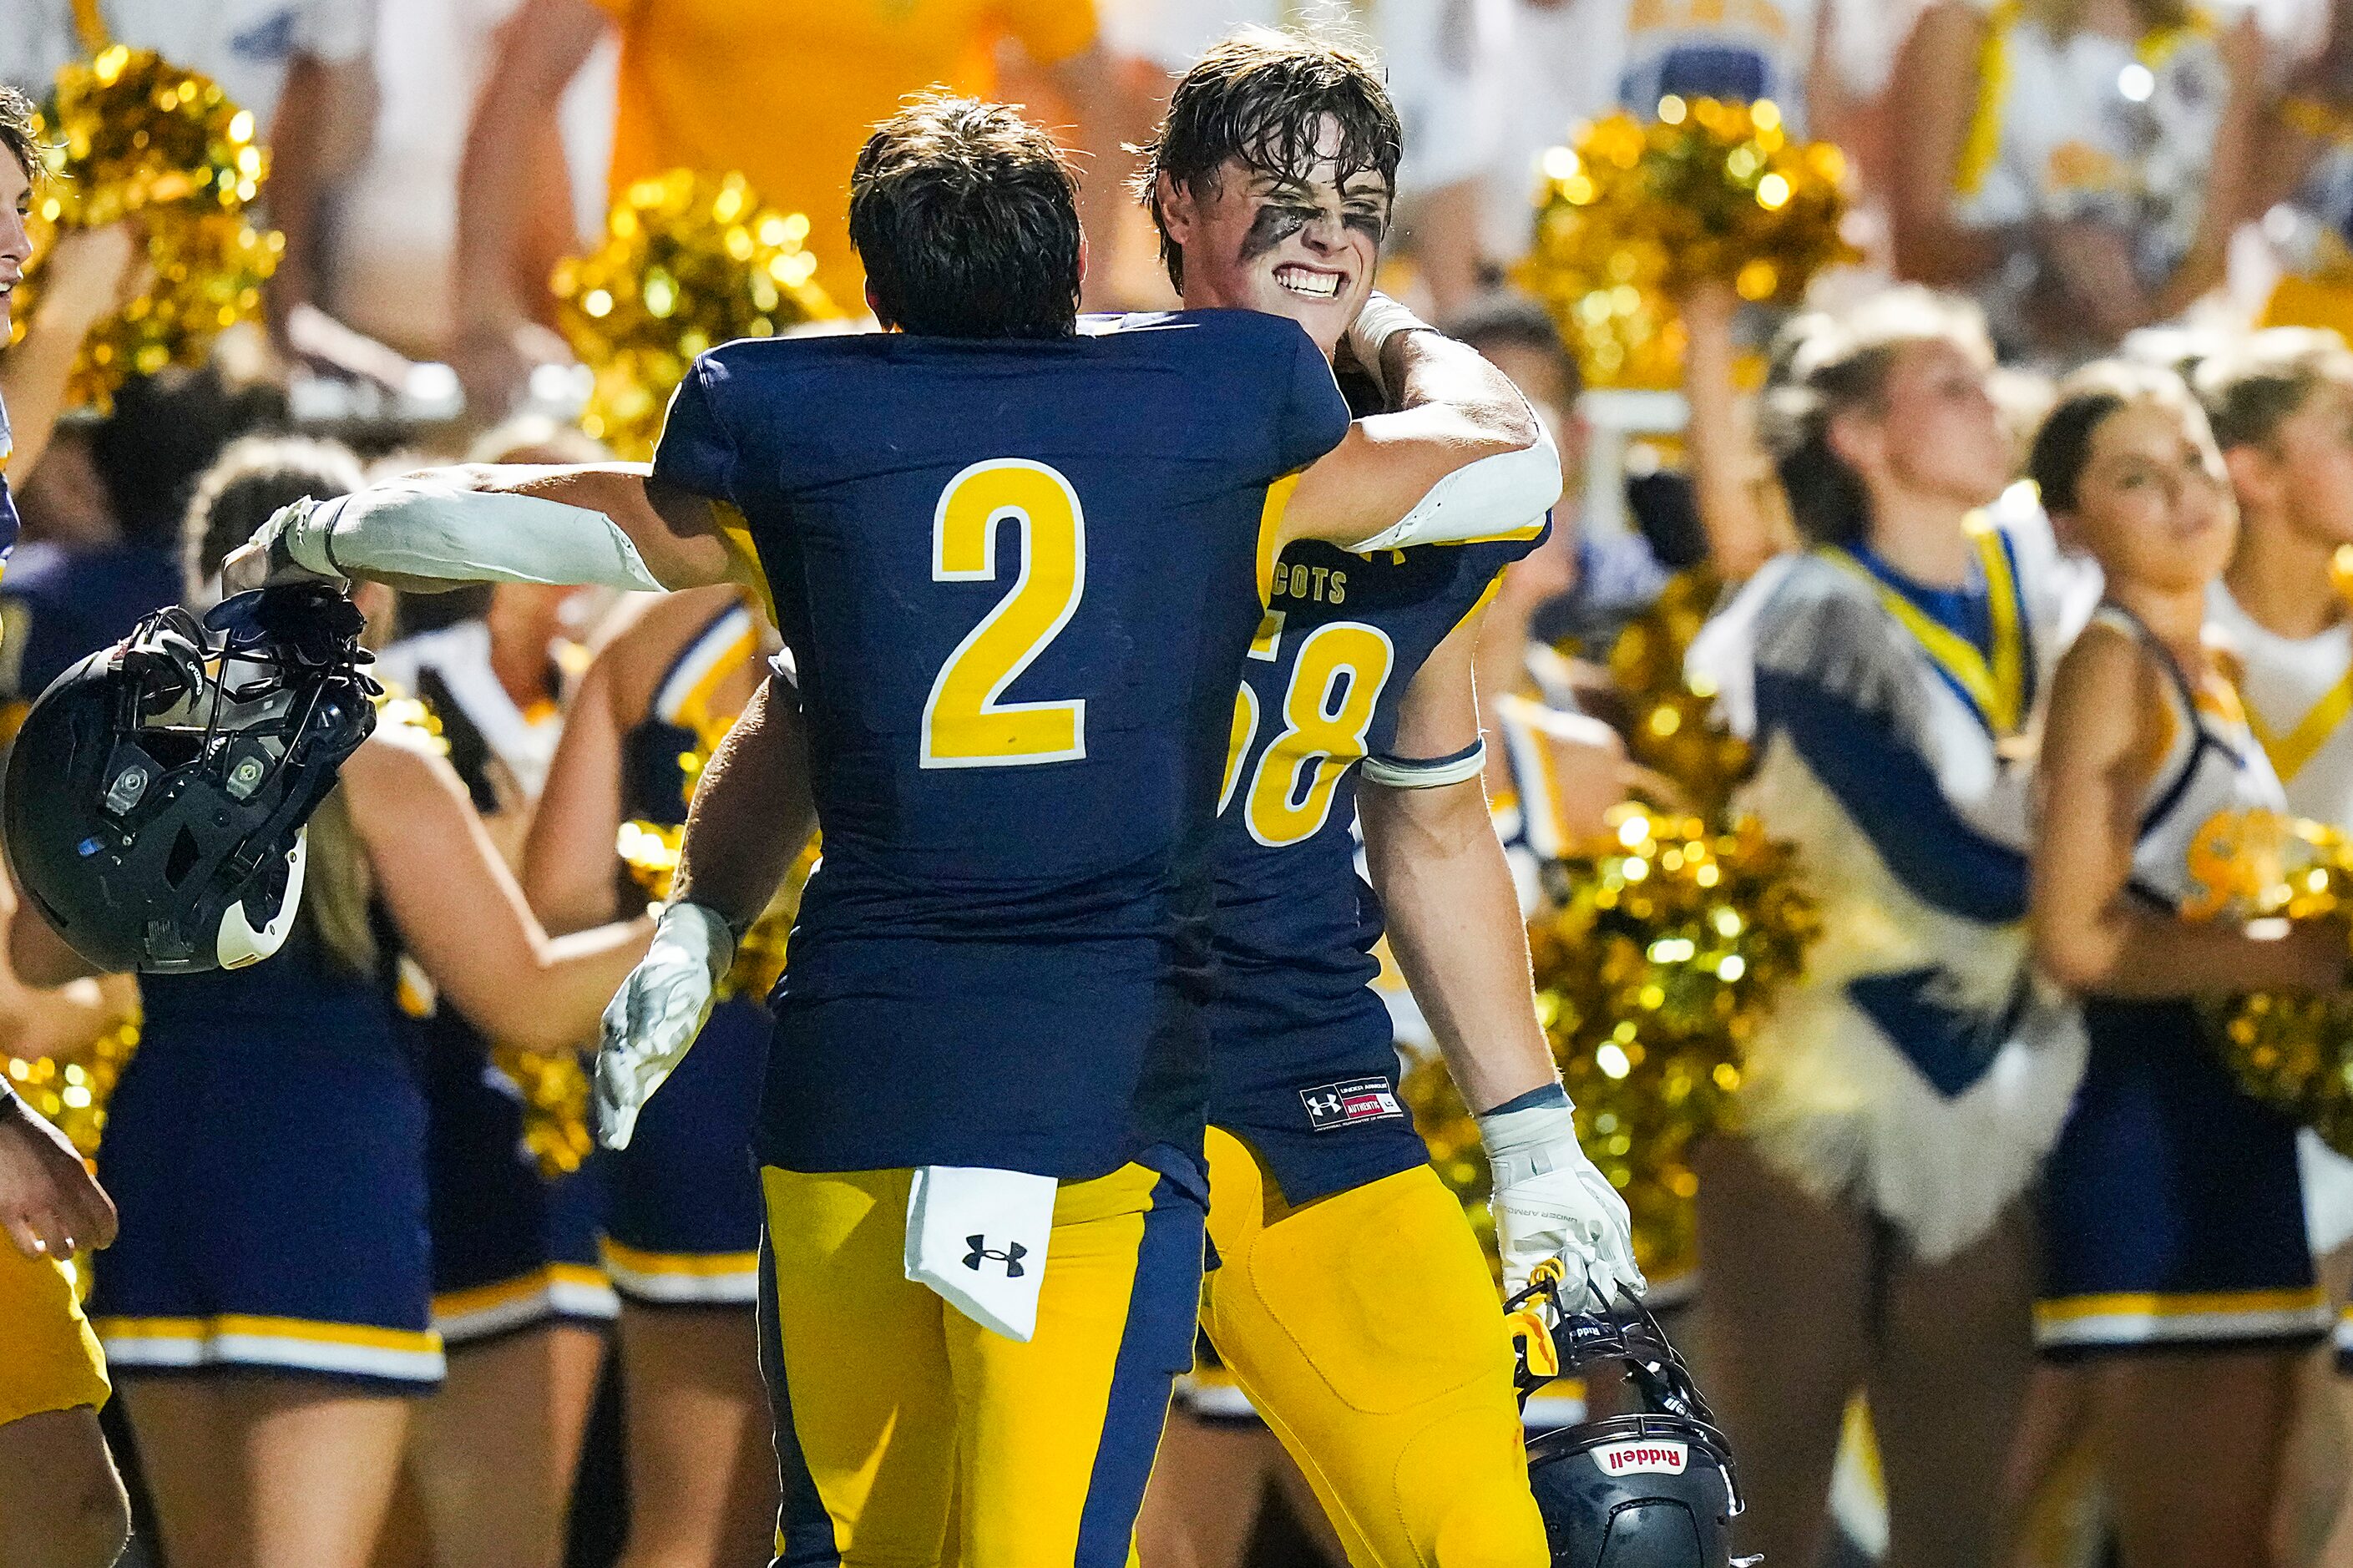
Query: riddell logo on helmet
point(1641, 1458)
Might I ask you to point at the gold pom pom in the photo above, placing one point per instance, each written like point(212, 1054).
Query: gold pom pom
point(555, 1088)
point(73, 1095)
point(689, 261)
point(1633, 214)
point(2295, 1052)
point(142, 139)
point(1671, 725)
point(1665, 951)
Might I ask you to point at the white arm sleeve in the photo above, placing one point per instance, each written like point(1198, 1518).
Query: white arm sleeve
point(1494, 498)
point(422, 528)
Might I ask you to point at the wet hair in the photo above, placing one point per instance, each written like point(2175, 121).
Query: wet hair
point(1840, 366)
point(1260, 98)
point(1503, 319)
point(20, 133)
point(967, 218)
point(2251, 389)
point(252, 477)
point(2063, 446)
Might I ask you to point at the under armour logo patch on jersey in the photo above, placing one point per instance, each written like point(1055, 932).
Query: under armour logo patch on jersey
point(1654, 1457)
point(1337, 1105)
point(1011, 1256)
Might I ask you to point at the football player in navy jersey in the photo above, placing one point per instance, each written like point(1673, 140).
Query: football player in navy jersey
point(1387, 1369)
point(988, 1072)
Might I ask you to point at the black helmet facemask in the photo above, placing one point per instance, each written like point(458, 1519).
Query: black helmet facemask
point(1656, 1488)
point(157, 791)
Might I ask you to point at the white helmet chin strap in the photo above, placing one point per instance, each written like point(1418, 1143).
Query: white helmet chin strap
point(238, 944)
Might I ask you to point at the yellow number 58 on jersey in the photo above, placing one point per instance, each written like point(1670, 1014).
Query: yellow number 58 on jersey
point(964, 723)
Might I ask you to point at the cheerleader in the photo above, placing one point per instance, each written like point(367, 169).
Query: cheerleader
point(268, 1308)
point(683, 1227)
point(2282, 409)
point(2177, 1286)
point(519, 1297)
point(2079, 165)
point(1866, 1230)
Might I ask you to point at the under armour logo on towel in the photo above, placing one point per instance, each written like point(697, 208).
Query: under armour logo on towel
point(1011, 1256)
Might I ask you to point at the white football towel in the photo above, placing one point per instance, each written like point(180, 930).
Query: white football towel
point(978, 1237)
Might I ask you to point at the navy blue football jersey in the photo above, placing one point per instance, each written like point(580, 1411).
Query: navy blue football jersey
point(1017, 580)
point(1300, 1044)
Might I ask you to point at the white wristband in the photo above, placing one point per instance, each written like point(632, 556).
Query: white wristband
point(1382, 319)
point(1522, 1143)
point(697, 929)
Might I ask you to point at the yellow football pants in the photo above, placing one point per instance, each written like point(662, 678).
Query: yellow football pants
point(1366, 1329)
point(900, 1405)
point(49, 1359)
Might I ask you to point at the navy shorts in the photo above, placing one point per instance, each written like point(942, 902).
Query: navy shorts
point(684, 1205)
point(511, 1251)
point(1315, 1100)
point(270, 1178)
point(2172, 1207)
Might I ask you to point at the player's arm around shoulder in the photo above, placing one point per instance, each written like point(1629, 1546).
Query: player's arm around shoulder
point(1462, 458)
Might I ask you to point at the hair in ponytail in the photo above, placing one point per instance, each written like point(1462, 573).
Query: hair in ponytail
point(1840, 365)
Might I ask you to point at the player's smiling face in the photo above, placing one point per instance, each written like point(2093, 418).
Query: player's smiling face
point(15, 245)
point(1302, 244)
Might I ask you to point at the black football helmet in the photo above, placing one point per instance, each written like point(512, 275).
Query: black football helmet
point(1653, 1489)
point(156, 792)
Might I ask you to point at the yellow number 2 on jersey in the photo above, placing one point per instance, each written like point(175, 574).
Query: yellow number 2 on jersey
point(964, 725)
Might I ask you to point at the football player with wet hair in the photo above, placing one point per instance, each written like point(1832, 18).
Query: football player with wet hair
point(1338, 1247)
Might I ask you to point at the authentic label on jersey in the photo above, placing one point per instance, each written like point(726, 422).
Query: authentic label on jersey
point(1641, 1458)
point(1338, 1105)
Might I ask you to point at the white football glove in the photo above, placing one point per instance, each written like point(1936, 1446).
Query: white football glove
point(1550, 1201)
point(657, 1014)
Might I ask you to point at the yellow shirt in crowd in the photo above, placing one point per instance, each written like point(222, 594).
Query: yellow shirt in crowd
point(786, 91)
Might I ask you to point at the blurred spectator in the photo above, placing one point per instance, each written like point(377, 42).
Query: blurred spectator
point(301, 66)
point(1600, 583)
point(396, 221)
point(786, 95)
point(1446, 60)
point(2077, 164)
point(101, 514)
point(1822, 61)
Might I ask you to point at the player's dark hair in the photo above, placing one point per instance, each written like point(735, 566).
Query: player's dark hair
point(967, 217)
point(20, 133)
point(1259, 97)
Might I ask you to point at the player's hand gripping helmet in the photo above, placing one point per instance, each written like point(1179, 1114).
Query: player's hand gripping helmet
point(1654, 1489)
point(157, 791)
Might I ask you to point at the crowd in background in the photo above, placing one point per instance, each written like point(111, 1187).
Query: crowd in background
point(2076, 180)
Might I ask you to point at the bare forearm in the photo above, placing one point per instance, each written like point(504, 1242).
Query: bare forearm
point(1724, 457)
point(540, 50)
point(2136, 955)
point(1431, 371)
point(33, 386)
point(1454, 926)
point(752, 812)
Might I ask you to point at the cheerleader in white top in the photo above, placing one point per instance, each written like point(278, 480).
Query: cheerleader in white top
point(2177, 1287)
point(2079, 165)
point(1867, 1230)
point(2281, 408)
